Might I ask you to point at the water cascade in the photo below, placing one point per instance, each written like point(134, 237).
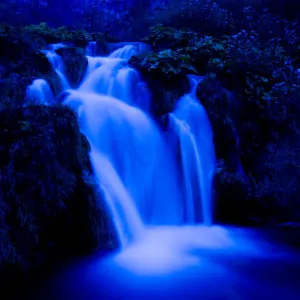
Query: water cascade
point(57, 63)
point(91, 49)
point(191, 125)
point(125, 50)
point(136, 168)
point(39, 92)
point(112, 77)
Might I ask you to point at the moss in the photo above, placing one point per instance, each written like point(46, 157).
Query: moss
point(50, 209)
point(75, 64)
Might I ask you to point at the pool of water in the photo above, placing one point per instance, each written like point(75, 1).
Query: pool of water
point(184, 263)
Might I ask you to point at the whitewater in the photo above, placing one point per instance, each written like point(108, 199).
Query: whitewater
point(161, 203)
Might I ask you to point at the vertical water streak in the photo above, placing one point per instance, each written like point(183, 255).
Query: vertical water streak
point(91, 48)
point(58, 65)
point(192, 126)
point(128, 224)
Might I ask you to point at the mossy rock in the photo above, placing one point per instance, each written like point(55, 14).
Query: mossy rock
point(37, 62)
point(166, 75)
point(13, 90)
point(49, 209)
point(14, 87)
point(75, 63)
point(15, 46)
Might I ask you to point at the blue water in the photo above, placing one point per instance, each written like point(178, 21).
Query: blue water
point(192, 262)
point(137, 170)
point(160, 202)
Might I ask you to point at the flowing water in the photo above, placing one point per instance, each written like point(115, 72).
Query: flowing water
point(91, 49)
point(143, 184)
point(161, 202)
point(39, 92)
point(57, 63)
point(197, 155)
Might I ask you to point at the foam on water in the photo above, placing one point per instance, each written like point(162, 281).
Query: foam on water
point(39, 92)
point(154, 198)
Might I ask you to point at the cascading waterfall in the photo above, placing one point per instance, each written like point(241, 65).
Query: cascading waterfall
point(191, 124)
point(57, 63)
point(135, 167)
point(112, 77)
point(126, 51)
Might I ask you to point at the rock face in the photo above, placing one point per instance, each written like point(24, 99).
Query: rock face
point(48, 207)
point(75, 64)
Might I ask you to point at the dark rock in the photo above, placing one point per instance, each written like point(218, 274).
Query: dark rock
point(231, 201)
point(222, 110)
point(48, 206)
point(13, 88)
point(75, 63)
point(15, 46)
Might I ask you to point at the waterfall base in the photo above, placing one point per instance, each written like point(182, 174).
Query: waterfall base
point(186, 263)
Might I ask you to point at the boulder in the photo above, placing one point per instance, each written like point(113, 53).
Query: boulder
point(49, 206)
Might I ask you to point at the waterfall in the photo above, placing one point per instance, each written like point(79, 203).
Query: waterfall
point(191, 124)
point(112, 77)
point(125, 51)
point(91, 49)
point(136, 167)
point(57, 63)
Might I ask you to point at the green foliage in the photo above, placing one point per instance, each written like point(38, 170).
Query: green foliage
point(161, 37)
point(165, 73)
point(166, 63)
point(54, 35)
